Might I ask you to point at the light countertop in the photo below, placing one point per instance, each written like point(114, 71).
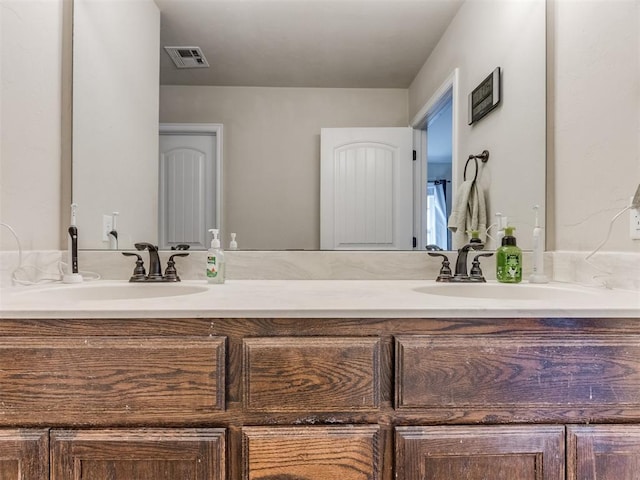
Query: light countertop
point(316, 299)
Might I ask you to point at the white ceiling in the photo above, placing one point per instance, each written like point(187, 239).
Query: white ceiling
point(303, 43)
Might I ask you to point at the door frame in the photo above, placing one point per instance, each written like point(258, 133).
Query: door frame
point(212, 129)
point(419, 125)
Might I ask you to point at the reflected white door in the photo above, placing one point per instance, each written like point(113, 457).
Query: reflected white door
point(366, 189)
point(187, 189)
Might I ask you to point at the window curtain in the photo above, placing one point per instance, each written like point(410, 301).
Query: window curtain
point(437, 214)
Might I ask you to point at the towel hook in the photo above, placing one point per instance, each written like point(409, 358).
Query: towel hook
point(484, 156)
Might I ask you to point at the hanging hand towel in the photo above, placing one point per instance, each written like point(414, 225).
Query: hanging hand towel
point(458, 218)
point(469, 212)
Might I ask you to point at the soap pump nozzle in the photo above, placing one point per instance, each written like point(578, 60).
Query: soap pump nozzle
point(215, 241)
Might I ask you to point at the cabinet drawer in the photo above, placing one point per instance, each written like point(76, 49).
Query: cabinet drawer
point(100, 380)
point(348, 452)
point(518, 371)
point(313, 374)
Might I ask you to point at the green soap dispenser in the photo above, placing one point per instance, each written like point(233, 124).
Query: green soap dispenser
point(509, 259)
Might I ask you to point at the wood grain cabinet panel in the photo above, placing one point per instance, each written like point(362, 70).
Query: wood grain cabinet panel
point(140, 454)
point(603, 452)
point(479, 453)
point(110, 380)
point(449, 371)
point(24, 454)
point(312, 374)
point(311, 453)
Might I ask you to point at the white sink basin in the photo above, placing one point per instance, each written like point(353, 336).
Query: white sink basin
point(517, 291)
point(100, 291)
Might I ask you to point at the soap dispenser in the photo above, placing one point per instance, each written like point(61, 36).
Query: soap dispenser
point(509, 259)
point(215, 259)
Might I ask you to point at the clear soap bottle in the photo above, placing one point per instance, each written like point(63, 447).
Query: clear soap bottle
point(215, 259)
point(509, 259)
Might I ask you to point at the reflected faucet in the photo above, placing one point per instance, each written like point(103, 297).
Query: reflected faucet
point(155, 269)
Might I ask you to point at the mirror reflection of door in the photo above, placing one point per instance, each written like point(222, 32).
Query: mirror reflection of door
point(187, 188)
point(366, 189)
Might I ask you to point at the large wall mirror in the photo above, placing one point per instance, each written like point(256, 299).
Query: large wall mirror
point(280, 71)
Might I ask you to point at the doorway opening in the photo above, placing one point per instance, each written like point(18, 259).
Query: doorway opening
point(435, 140)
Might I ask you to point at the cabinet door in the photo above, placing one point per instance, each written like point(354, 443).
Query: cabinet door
point(603, 452)
point(480, 452)
point(311, 453)
point(141, 454)
point(24, 454)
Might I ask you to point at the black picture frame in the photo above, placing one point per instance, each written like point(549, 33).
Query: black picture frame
point(485, 97)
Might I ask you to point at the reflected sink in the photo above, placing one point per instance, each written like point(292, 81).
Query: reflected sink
point(101, 291)
point(506, 291)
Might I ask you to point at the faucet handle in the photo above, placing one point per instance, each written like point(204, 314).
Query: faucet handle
point(445, 269)
point(476, 271)
point(171, 274)
point(139, 274)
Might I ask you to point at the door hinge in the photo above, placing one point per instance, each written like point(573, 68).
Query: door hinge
point(415, 155)
point(415, 242)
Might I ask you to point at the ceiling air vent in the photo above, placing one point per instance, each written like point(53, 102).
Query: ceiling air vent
point(187, 57)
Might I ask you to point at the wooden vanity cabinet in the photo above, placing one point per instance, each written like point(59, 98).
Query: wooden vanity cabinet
point(320, 399)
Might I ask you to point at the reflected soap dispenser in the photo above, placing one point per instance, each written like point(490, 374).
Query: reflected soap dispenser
point(509, 259)
point(215, 259)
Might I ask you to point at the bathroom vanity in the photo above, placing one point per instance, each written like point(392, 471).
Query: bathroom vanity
point(276, 387)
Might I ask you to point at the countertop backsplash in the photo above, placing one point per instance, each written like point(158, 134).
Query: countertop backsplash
point(609, 269)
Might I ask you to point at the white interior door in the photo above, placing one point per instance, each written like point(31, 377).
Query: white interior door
point(187, 189)
point(366, 189)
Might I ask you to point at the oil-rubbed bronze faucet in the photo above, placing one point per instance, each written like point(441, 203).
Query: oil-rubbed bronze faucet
point(460, 274)
point(155, 269)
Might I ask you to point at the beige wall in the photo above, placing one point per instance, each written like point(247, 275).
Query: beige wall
point(272, 151)
point(30, 112)
point(594, 161)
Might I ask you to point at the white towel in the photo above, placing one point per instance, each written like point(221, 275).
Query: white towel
point(469, 212)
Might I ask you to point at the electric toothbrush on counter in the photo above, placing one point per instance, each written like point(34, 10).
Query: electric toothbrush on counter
point(72, 275)
point(537, 275)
